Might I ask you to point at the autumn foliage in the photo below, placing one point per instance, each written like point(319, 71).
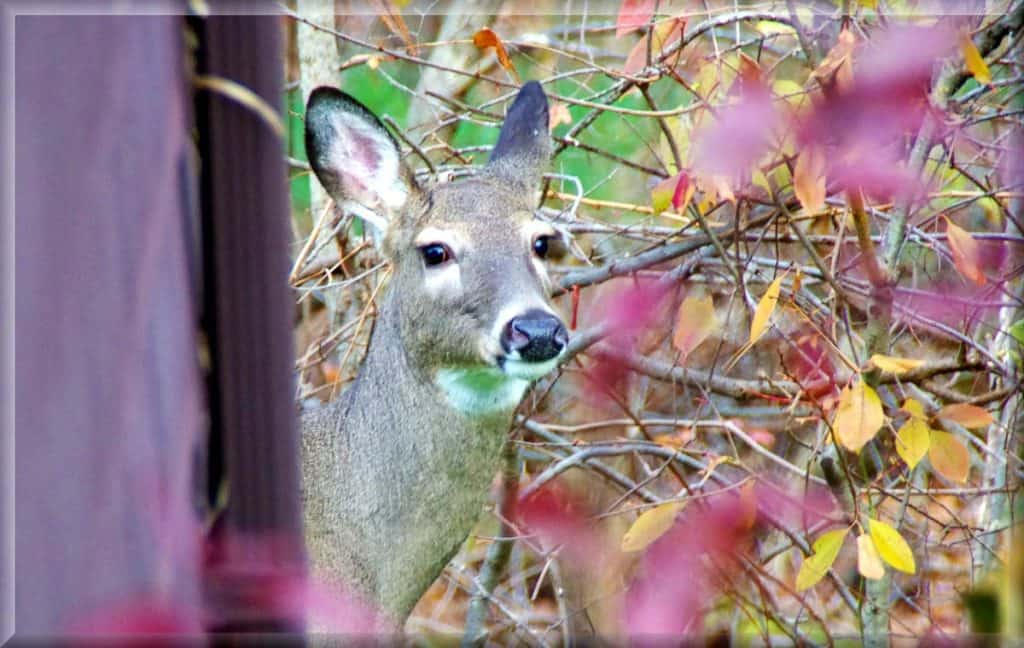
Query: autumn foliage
point(792, 408)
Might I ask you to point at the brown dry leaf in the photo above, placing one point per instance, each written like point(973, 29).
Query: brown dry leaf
point(975, 64)
point(391, 16)
point(650, 526)
point(970, 416)
point(633, 14)
point(765, 309)
point(869, 563)
point(559, 114)
point(837, 67)
point(809, 178)
point(695, 321)
point(949, 457)
point(487, 38)
point(664, 35)
point(966, 253)
point(858, 417)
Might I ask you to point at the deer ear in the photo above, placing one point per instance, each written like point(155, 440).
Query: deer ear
point(524, 146)
point(355, 157)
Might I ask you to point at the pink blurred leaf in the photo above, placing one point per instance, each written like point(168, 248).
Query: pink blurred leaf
point(626, 313)
point(558, 518)
point(862, 123)
point(739, 135)
point(633, 14)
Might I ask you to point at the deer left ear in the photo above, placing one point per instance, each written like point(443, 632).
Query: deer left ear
point(524, 146)
point(355, 157)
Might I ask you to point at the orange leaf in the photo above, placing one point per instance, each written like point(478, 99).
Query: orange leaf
point(966, 253)
point(809, 178)
point(858, 417)
point(750, 70)
point(695, 322)
point(664, 35)
point(487, 38)
point(949, 457)
point(975, 64)
point(633, 14)
point(969, 416)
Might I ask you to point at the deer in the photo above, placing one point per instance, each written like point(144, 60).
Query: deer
point(396, 470)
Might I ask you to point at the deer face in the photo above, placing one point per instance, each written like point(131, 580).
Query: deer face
point(469, 285)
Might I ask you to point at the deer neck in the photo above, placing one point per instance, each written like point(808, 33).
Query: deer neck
point(413, 467)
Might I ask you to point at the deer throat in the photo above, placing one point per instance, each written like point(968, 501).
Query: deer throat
point(481, 391)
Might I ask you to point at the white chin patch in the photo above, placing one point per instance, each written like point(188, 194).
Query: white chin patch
point(529, 370)
point(481, 391)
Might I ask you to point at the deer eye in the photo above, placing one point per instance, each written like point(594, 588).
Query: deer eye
point(541, 245)
point(435, 254)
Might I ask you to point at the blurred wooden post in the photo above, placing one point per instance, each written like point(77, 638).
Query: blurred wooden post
point(256, 557)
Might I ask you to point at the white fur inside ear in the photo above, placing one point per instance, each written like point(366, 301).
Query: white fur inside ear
point(481, 391)
point(367, 162)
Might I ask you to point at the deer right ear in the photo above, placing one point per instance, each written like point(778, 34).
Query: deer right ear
point(355, 157)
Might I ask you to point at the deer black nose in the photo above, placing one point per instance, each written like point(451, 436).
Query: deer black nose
point(537, 336)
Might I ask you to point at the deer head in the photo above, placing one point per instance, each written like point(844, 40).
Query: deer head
point(469, 288)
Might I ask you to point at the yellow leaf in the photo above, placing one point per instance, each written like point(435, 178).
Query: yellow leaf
point(913, 407)
point(674, 124)
point(791, 91)
point(975, 64)
point(815, 566)
point(891, 546)
point(809, 178)
point(966, 253)
point(970, 416)
point(858, 416)
point(912, 440)
point(770, 27)
point(707, 80)
point(759, 179)
point(992, 209)
point(895, 365)
point(765, 308)
point(675, 192)
point(695, 322)
point(949, 457)
point(651, 525)
point(869, 563)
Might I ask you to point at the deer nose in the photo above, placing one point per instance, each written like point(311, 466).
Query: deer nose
point(537, 336)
